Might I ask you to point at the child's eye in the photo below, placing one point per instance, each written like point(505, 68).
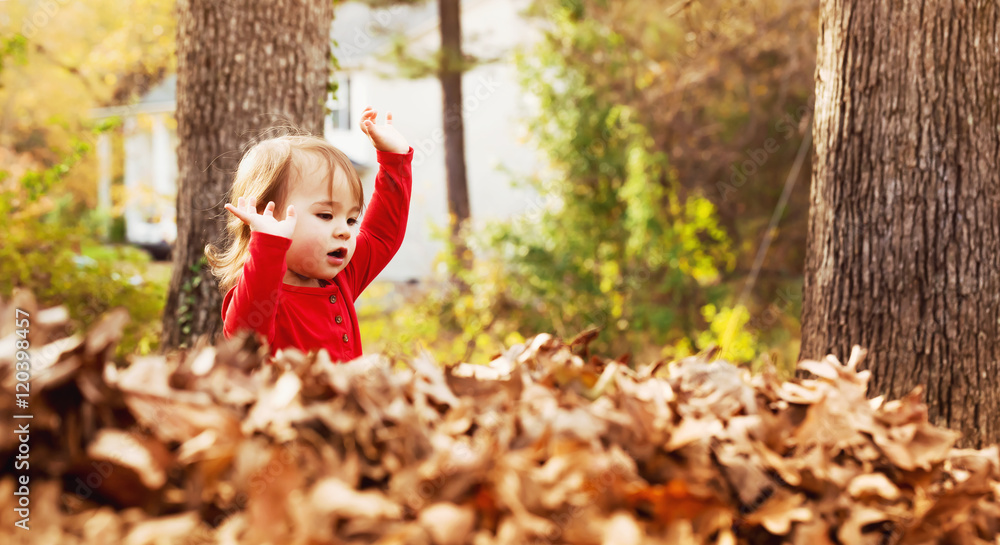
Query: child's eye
point(352, 221)
point(325, 216)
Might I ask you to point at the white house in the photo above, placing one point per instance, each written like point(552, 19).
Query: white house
point(150, 165)
point(494, 107)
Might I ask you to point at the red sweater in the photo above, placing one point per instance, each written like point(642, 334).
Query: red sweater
point(313, 318)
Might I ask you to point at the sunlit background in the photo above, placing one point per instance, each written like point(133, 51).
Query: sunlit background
point(625, 168)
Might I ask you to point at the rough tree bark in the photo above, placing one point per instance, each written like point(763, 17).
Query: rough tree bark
point(243, 66)
point(904, 228)
point(451, 68)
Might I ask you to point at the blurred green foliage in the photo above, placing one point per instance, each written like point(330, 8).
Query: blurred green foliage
point(645, 108)
point(51, 248)
point(59, 60)
point(646, 218)
point(76, 56)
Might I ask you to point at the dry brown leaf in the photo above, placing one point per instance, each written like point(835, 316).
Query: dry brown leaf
point(144, 455)
point(778, 513)
point(873, 484)
point(161, 531)
point(539, 445)
point(107, 332)
point(447, 523)
point(334, 497)
point(621, 528)
point(852, 529)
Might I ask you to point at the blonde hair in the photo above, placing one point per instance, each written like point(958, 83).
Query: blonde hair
point(264, 173)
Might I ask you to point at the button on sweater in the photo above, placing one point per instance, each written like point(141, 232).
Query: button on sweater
point(310, 318)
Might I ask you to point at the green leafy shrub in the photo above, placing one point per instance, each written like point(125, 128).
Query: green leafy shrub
point(615, 239)
point(50, 247)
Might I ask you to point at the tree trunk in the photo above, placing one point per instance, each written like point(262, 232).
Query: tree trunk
point(243, 66)
point(904, 227)
point(449, 12)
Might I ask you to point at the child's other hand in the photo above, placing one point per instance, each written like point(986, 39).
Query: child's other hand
point(246, 210)
point(384, 137)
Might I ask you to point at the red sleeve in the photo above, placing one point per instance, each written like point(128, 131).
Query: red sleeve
point(384, 223)
point(252, 302)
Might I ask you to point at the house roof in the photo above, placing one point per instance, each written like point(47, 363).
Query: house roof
point(165, 91)
point(162, 97)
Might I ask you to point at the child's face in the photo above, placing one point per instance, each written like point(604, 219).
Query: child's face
point(325, 231)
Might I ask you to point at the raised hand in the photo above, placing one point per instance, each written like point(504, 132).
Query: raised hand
point(246, 210)
point(384, 137)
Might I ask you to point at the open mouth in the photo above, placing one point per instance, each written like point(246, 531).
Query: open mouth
point(341, 253)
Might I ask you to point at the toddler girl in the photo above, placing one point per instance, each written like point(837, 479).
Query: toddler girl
point(293, 276)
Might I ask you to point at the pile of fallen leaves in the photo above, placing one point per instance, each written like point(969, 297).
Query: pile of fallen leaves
point(546, 444)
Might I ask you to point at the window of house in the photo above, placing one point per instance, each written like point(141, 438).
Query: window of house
point(339, 104)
